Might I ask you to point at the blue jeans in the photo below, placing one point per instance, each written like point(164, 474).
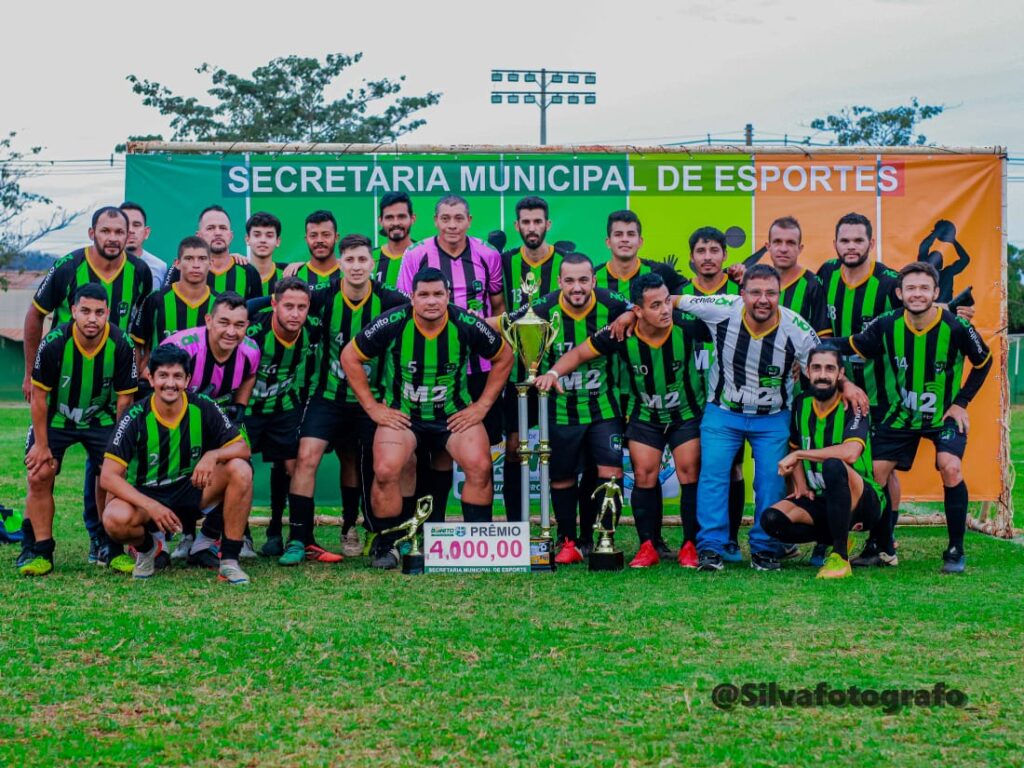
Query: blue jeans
point(722, 434)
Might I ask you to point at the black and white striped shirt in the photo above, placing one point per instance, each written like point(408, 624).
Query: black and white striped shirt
point(751, 373)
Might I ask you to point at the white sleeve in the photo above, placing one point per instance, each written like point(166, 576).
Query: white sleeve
point(803, 336)
point(710, 309)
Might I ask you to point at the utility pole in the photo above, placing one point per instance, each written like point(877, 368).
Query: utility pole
point(748, 133)
point(545, 95)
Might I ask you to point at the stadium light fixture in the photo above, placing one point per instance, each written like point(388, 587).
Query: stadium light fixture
point(544, 96)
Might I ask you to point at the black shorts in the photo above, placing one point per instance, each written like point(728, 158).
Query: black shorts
point(181, 497)
point(274, 435)
point(510, 406)
point(867, 512)
point(659, 435)
point(93, 439)
point(332, 421)
point(431, 436)
point(475, 383)
point(574, 447)
point(900, 445)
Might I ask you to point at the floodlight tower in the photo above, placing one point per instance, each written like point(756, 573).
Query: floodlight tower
point(542, 94)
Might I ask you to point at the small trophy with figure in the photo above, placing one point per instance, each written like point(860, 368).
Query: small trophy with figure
point(605, 556)
point(413, 561)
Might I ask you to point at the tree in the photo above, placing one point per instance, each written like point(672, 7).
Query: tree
point(1015, 287)
point(286, 100)
point(893, 127)
point(15, 202)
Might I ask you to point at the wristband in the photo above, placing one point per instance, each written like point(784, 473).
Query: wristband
point(556, 373)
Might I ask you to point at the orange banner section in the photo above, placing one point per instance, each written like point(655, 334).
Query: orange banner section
point(943, 208)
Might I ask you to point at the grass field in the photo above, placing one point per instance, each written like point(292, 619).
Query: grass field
point(331, 666)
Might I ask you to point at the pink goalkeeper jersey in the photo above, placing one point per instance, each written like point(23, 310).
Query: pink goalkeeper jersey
point(216, 380)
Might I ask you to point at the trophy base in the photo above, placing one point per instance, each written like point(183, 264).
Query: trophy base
point(606, 561)
point(412, 565)
point(542, 554)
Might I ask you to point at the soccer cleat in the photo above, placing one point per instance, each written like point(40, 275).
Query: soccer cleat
point(37, 566)
point(585, 548)
point(871, 557)
point(646, 557)
point(94, 549)
point(665, 552)
point(350, 544)
point(123, 563)
point(231, 572)
point(248, 550)
point(954, 560)
point(731, 553)
point(272, 547)
point(835, 567)
point(318, 554)
point(27, 555)
point(818, 555)
point(709, 560)
point(387, 560)
point(688, 555)
point(760, 562)
point(208, 557)
point(294, 554)
point(163, 560)
point(145, 562)
point(568, 554)
point(368, 543)
point(182, 549)
point(789, 552)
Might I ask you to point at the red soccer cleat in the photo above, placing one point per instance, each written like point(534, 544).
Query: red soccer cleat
point(568, 554)
point(318, 554)
point(688, 555)
point(646, 557)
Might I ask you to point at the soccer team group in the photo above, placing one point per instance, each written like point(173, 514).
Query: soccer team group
point(171, 378)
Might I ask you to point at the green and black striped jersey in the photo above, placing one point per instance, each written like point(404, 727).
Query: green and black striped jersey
point(168, 312)
point(157, 452)
point(922, 370)
point(850, 308)
point(314, 277)
point(665, 385)
point(515, 268)
point(267, 284)
point(605, 278)
point(590, 394)
point(387, 269)
point(286, 369)
point(125, 291)
point(83, 386)
point(427, 371)
point(811, 429)
point(243, 279)
point(806, 296)
point(339, 321)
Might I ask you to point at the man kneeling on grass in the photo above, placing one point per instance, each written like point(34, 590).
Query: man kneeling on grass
point(171, 457)
point(833, 487)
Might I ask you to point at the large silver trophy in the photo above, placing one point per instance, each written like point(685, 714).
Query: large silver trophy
point(531, 337)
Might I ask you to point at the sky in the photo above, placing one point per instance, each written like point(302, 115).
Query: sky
point(666, 71)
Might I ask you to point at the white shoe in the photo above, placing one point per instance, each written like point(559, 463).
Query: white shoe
point(145, 562)
point(247, 548)
point(231, 572)
point(350, 544)
point(184, 546)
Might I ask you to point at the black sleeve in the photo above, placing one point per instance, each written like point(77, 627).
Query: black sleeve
point(53, 291)
point(172, 276)
point(817, 308)
point(541, 307)
point(374, 339)
point(972, 346)
point(126, 379)
point(855, 427)
point(141, 329)
point(390, 299)
point(603, 343)
point(692, 327)
point(794, 429)
point(868, 343)
point(218, 430)
point(143, 282)
point(46, 369)
point(125, 437)
point(253, 283)
point(257, 306)
point(479, 336)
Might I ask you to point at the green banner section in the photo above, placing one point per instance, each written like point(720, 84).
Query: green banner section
point(673, 194)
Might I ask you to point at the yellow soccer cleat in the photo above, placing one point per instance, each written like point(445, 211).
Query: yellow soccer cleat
point(835, 567)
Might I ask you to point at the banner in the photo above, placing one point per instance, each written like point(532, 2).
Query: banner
point(944, 207)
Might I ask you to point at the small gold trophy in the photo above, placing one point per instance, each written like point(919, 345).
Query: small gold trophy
point(605, 556)
point(531, 337)
point(413, 561)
